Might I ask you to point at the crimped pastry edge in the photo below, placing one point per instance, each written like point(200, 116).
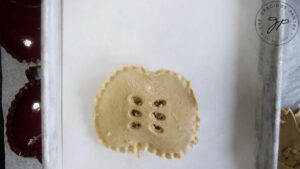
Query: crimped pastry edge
point(146, 146)
point(287, 112)
point(9, 128)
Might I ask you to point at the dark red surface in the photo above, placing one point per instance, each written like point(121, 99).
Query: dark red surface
point(20, 22)
point(24, 121)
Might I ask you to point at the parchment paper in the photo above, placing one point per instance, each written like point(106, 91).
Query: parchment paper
point(291, 69)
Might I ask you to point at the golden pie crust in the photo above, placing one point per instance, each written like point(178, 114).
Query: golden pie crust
point(151, 111)
point(289, 145)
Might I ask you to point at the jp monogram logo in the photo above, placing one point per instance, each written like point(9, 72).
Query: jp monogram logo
point(276, 23)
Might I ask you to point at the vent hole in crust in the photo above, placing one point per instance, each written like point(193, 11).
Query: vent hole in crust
point(160, 103)
point(136, 113)
point(159, 116)
point(157, 128)
point(135, 125)
point(137, 100)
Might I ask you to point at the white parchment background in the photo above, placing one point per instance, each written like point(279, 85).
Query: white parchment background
point(212, 43)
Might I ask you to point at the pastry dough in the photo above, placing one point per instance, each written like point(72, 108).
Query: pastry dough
point(289, 145)
point(151, 111)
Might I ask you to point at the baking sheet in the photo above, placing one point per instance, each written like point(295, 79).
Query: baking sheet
point(214, 44)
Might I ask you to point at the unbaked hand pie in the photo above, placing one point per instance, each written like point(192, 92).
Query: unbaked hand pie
point(151, 111)
point(289, 145)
